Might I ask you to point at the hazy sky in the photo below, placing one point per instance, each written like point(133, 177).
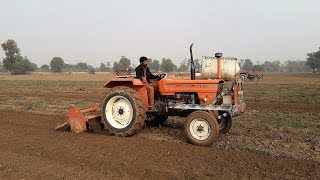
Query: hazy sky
point(99, 31)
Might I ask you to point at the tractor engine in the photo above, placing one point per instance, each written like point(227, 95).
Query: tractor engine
point(186, 98)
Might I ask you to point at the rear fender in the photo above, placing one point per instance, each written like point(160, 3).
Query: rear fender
point(123, 82)
point(133, 83)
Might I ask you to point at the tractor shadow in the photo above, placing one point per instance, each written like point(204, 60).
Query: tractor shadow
point(171, 130)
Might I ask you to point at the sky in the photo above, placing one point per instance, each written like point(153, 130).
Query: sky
point(98, 31)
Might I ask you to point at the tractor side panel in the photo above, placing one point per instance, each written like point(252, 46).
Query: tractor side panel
point(170, 86)
point(206, 89)
point(166, 87)
point(142, 90)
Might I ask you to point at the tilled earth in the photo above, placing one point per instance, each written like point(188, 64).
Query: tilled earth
point(30, 148)
point(271, 140)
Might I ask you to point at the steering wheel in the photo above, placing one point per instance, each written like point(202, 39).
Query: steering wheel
point(161, 76)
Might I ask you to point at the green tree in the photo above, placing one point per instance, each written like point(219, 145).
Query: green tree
point(150, 64)
point(167, 65)
point(69, 67)
point(247, 65)
point(267, 66)
point(257, 67)
point(45, 67)
point(33, 67)
point(155, 65)
point(103, 67)
point(276, 66)
point(108, 66)
point(313, 61)
point(296, 66)
point(183, 67)
point(197, 65)
point(14, 63)
point(12, 53)
point(90, 67)
point(56, 64)
point(21, 65)
point(115, 66)
point(241, 62)
point(91, 70)
point(82, 66)
point(124, 63)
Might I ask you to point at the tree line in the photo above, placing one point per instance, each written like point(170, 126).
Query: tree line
point(15, 63)
point(276, 66)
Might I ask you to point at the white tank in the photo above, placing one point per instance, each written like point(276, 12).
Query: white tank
point(230, 68)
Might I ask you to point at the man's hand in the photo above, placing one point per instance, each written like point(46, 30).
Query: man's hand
point(144, 79)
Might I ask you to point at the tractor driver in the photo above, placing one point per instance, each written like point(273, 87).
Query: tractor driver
point(143, 73)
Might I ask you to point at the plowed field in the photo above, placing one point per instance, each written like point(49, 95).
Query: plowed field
point(278, 137)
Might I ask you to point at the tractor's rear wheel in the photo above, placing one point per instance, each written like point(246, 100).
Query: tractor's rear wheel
point(123, 111)
point(201, 128)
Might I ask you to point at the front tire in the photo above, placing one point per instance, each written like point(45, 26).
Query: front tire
point(123, 111)
point(201, 128)
point(243, 77)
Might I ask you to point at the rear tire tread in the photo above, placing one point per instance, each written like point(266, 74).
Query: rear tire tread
point(140, 111)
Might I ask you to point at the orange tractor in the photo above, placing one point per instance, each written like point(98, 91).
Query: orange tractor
point(207, 105)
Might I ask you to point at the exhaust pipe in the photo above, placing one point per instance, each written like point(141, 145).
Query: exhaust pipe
point(218, 56)
point(192, 69)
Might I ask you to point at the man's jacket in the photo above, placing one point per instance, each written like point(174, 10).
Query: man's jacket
point(140, 73)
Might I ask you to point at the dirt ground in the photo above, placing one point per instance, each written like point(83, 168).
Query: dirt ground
point(278, 136)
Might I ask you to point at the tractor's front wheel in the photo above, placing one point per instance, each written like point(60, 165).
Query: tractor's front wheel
point(123, 111)
point(243, 77)
point(201, 128)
